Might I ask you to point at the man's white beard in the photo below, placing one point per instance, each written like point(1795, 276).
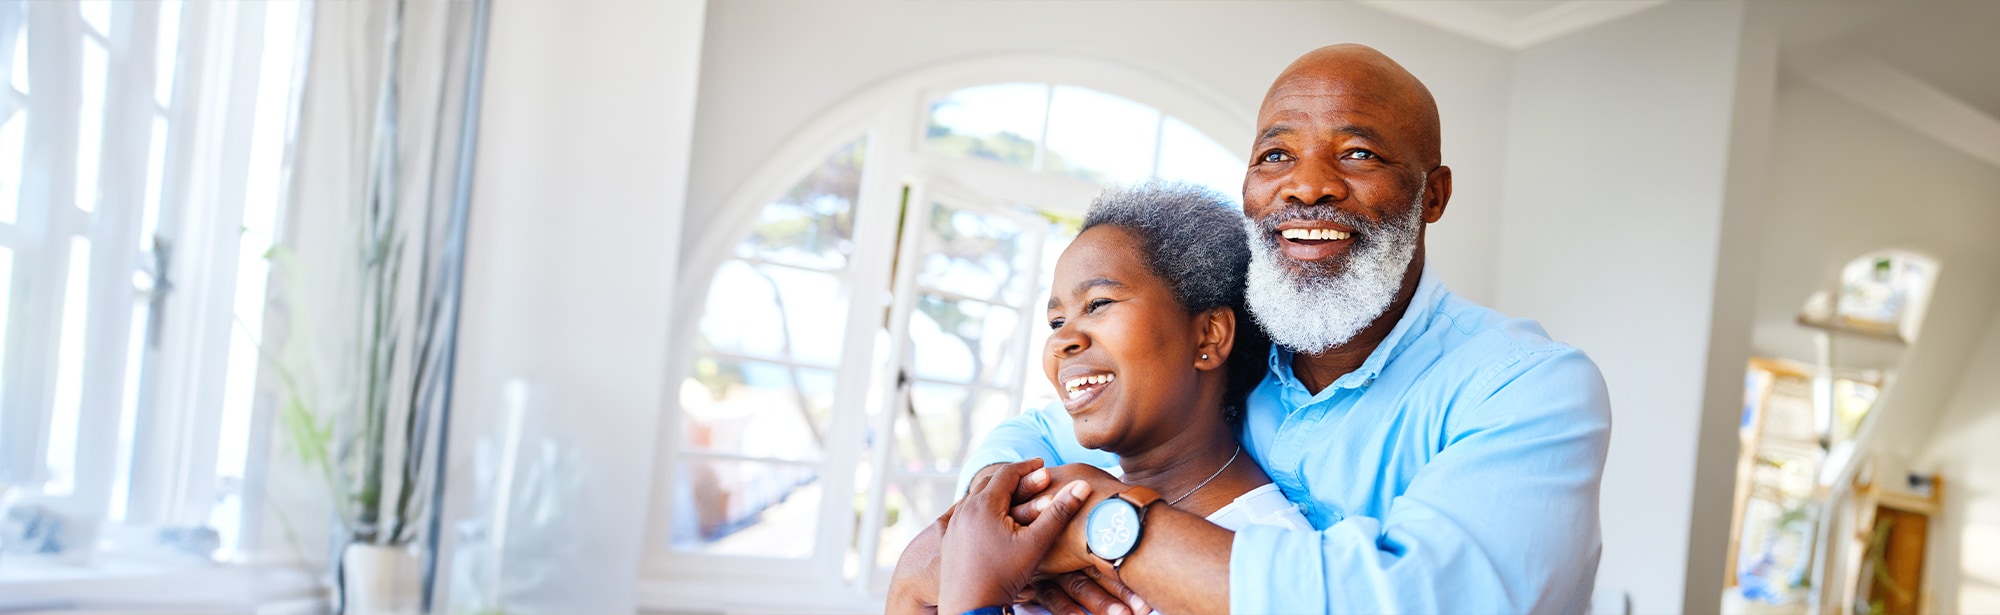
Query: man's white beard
point(1311, 307)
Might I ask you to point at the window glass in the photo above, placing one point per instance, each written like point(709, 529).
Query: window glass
point(813, 224)
point(758, 399)
point(170, 40)
point(975, 254)
point(1187, 155)
point(768, 311)
point(12, 132)
point(937, 433)
point(1000, 122)
point(90, 123)
point(61, 458)
point(756, 408)
point(1100, 138)
point(730, 507)
point(97, 14)
point(964, 341)
point(19, 73)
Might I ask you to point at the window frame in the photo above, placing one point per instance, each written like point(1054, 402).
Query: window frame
point(894, 117)
point(176, 427)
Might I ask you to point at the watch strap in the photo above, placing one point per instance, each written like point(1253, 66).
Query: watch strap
point(1140, 497)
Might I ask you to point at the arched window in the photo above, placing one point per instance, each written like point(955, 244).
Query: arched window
point(866, 327)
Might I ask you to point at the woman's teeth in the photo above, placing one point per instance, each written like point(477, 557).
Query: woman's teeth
point(1076, 384)
point(1312, 234)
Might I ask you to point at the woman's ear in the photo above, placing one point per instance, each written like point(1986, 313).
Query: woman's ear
point(1217, 337)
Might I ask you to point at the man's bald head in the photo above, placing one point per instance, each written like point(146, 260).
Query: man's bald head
point(1362, 72)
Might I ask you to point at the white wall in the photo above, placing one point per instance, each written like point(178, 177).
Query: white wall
point(770, 66)
point(580, 185)
point(1964, 562)
point(1618, 214)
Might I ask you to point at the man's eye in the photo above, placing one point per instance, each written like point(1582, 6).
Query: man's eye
point(1274, 156)
point(1362, 154)
point(1055, 324)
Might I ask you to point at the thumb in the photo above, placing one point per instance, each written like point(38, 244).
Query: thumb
point(1051, 522)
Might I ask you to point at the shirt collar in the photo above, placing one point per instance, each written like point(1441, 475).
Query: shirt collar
point(1430, 291)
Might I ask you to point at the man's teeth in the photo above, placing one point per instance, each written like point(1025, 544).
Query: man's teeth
point(1312, 233)
point(1083, 381)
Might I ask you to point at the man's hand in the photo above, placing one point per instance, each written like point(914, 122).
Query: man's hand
point(986, 557)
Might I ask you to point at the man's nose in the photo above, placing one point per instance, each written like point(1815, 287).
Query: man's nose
point(1314, 182)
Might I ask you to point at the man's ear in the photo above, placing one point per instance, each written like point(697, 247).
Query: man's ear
point(1218, 337)
point(1437, 192)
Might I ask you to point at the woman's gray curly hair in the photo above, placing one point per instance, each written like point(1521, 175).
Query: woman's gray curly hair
point(1193, 238)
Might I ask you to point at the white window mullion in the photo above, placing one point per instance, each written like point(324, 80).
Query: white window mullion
point(41, 264)
point(198, 323)
point(114, 246)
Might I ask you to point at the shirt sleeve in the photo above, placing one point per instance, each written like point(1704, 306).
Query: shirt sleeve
point(1504, 519)
point(1044, 433)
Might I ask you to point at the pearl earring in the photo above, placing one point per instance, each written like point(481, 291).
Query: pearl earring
point(1204, 357)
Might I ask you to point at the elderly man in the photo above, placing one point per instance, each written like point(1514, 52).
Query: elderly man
point(1449, 457)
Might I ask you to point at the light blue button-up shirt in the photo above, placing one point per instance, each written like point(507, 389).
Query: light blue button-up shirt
point(1456, 471)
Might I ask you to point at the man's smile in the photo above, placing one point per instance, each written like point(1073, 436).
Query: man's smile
point(1314, 240)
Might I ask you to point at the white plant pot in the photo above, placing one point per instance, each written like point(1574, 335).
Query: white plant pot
point(379, 580)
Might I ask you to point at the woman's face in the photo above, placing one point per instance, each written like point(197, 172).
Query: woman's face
point(1122, 353)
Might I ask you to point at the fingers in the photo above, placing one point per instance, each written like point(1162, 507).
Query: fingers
point(1032, 484)
point(1026, 512)
point(1056, 514)
point(992, 493)
point(1117, 588)
point(1084, 590)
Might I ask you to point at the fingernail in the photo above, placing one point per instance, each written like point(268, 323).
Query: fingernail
point(1079, 489)
point(1039, 476)
point(1041, 504)
point(1117, 609)
point(1139, 604)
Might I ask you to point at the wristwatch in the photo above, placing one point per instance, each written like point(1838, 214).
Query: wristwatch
point(1113, 528)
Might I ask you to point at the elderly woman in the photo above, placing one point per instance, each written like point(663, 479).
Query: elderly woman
point(1152, 353)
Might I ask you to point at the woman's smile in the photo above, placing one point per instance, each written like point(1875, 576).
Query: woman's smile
point(1080, 390)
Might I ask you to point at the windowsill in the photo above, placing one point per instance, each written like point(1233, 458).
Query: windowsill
point(108, 585)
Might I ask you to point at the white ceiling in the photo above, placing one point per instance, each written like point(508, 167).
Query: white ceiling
point(1513, 24)
point(1933, 66)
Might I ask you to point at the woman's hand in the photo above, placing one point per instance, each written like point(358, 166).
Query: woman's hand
point(988, 558)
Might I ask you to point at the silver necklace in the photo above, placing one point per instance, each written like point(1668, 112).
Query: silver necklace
point(1218, 472)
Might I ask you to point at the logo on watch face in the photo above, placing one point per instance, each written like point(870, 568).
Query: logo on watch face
point(1113, 528)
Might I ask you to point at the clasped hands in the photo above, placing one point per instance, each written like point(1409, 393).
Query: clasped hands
point(1017, 536)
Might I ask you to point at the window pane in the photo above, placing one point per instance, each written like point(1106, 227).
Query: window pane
point(813, 224)
point(997, 122)
point(128, 413)
point(90, 124)
point(170, 44)
point(757, 409)
point(155, 166)
point(726, 507)
point(11, 159)
point(975, 254)
point(6, 301)
point(909, 505)
point(1036, 390)
point(1190, 156)
point(97, 13)
point(69, 373)
point(935, 437)
point(767, 311)
point(1100, 138)
point(964, 341)
point(19, 75)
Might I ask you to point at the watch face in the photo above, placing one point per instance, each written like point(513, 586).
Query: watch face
point(1112, 529)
